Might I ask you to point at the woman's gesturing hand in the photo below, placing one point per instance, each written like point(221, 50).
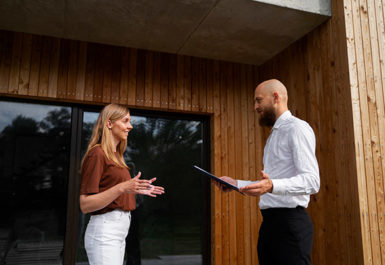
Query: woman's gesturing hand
point(141, 186)
point(152, 190)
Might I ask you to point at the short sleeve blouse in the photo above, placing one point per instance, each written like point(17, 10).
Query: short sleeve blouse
point(100, 174)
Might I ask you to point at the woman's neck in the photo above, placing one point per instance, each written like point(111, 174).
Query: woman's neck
point(115, 143)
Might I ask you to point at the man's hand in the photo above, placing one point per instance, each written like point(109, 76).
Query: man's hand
point(257, 189)
point(223, 187)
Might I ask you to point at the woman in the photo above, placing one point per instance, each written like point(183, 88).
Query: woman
point(107, 189)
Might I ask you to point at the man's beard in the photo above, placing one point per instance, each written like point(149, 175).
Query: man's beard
point(267, 118)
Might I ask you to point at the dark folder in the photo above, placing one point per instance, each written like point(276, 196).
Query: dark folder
point(215, 178)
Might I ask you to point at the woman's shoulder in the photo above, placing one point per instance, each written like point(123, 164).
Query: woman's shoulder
point(96, 151)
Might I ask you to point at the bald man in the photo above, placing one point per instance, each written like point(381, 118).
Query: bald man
point(289, 177)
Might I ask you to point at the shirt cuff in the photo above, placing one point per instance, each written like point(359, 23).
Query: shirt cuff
point(278, 187)
point(243, 183)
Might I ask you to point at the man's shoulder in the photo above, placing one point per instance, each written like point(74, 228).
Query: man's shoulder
point(294, 123)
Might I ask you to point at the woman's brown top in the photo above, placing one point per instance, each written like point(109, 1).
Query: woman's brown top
point(100, 174)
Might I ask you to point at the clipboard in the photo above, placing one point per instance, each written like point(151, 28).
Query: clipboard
point(215, 178)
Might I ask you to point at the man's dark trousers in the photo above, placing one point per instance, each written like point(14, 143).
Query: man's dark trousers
point(285, 237)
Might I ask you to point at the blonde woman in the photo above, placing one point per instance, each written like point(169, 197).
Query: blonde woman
point(107, 190)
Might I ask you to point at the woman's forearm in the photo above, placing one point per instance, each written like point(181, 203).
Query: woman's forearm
point(95, 202)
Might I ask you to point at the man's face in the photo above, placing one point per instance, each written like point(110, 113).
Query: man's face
point(264, 105)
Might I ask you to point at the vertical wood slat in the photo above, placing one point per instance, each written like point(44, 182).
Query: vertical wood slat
point(54, 68)
point(90, 72)
point(148, 87)
point(81, 76)
point(132, 77)
point(140, 78)
point(45, 65)
point(172, 89)
point(343, 127)
point(378, 141)
point(6, 44)
point(123, 90)
point(238, 160)
point(210, 87)
point(202, 102)
point(231, 163)
point(35, 66)
point(187, 84)
point(370, 250)
point(63, 69)
point(106, 71)
point(115, 75)
point(25, 67)
point(195, 84)
point(97, 89)
point(72, 69)
point(351, 31)
point(217, 220)
point(224, 166)
point(244, 164)
point(164, 80)
point(15, 65)
point(180, 82)
point(254, 148)
point(156, 81)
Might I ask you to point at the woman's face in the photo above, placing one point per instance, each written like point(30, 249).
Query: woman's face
point(121, 127)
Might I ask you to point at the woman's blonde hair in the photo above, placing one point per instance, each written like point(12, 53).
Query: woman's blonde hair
point(102, 136)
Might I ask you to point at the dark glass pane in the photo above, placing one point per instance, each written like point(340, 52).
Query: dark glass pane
point(89, 119)
point(34, 164)
point(167, 229)
point(170, 226)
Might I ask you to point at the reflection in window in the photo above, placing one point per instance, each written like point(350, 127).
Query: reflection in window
point(166, 229)
point(34, 162)
point(169, 226)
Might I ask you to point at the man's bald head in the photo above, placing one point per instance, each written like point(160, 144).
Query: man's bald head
point(270, 101)
point(274, 85)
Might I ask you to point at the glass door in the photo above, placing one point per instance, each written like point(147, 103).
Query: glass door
point(34, 165)
point(172, 228)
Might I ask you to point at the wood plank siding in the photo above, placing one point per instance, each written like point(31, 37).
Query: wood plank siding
point(52, 69)
point(336, 81)
point(337, 84)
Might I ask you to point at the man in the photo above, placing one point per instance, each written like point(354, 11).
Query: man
point(290, 175)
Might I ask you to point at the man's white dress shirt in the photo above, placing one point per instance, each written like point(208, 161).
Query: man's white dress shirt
point(289, 159)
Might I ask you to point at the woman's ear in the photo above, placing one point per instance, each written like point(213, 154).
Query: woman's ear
point(109, 124)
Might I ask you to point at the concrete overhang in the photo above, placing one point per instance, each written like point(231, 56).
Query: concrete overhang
point(245, 31)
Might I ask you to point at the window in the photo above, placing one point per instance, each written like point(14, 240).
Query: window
point(34, 163)
point(172, 228)
point(41, 149)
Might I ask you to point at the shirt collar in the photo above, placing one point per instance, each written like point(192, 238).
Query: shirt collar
point(282, 119)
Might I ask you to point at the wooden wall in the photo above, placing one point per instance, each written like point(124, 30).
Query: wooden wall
point(335, 83)
point(365, 30)
point(45, 68)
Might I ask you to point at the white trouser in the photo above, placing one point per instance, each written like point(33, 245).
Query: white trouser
point(105, 237)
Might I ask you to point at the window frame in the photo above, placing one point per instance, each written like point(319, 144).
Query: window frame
point(73, 185)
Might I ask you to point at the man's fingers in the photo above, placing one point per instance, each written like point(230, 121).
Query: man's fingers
point(264, 175)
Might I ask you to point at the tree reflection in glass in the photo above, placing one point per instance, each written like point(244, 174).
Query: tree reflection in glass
point(168, 229)
point(169, 226)
point(34, 162)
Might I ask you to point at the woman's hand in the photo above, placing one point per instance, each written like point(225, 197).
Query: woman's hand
point(141, 186)
point(152, 190)
point(134, 185)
